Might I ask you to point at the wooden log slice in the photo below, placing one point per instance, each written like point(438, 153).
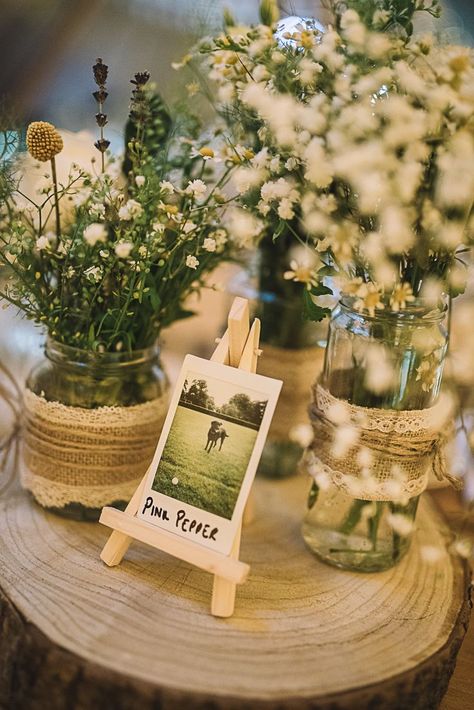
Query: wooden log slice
point(75, 634)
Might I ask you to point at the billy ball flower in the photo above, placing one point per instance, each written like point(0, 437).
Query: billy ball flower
point(43, 141)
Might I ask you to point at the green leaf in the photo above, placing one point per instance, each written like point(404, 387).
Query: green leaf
point(279, 231)
point(157, 131)
point(229, 20)
point(269, 12)
point(353, 516)
point(313, 495)
point(311, 311)
point(155, 300)
point(320, 290)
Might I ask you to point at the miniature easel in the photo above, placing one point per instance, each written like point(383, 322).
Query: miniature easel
point(238, 348)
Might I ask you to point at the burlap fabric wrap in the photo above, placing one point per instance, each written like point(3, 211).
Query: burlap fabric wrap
point(405, 446)
point(88, 456)
point(297, 369)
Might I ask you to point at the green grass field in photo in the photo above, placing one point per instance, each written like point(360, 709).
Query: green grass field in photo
point(210, 481)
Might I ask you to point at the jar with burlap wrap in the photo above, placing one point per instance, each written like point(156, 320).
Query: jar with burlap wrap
point(91, 422)
point(293, 347)
point(380, 427)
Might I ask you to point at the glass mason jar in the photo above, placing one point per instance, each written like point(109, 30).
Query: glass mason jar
point(389, 361)
point(92, 421)
point(293, 348)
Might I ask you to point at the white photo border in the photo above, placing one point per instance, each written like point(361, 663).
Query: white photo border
point(226, 529)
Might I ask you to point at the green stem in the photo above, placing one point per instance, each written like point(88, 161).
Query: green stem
point(353, 516)
point(56, 198)
point(374, 522)
point(313, 495)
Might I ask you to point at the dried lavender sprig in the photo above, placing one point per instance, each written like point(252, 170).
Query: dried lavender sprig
point(139, 108)
point(100, 71)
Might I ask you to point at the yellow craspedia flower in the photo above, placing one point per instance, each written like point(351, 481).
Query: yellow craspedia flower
point(43, 141)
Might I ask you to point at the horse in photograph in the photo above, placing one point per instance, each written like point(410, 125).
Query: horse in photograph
point(216, 433)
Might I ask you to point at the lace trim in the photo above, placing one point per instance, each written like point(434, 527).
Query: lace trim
point(388, 454)
point(363, 489)
point(410, 422)
point(51, 494)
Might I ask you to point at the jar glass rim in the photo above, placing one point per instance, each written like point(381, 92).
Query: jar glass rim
point(418, 310)
point(61, 352)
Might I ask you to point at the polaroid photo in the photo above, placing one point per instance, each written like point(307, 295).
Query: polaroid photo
point(208, 452)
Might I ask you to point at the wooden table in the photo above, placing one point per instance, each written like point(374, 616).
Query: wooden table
point(76, 634)
point(460, 693)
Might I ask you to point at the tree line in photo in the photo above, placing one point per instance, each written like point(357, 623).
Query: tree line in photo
point(240, 405)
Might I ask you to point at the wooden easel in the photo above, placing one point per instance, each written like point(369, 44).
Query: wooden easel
point(237, 348)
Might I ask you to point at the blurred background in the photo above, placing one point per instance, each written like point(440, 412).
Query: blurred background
point(47, 48)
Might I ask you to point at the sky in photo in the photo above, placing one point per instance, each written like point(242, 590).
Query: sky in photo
point(222, 391)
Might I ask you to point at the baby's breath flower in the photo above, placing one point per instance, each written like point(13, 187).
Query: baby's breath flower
point(301, 434)
point(123, 249)
point(192, 262)
point(400, 523)
point(130, 210)
point(462, 547)
point(189, 226)
point(42, 243)
point(95, 232)
point(346, 437)
point(431, 554)
point(209, 244)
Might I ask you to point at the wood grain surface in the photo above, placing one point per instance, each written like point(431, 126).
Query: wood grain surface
point(77, 634)
point(460, 693)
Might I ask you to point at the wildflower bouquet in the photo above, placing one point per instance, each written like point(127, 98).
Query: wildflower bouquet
point(363, 147)
point(363, 141)
point(106, 259)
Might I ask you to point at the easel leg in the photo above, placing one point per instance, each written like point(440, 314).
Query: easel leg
point(249, 510)
point(115, 548)
point(118, 543)
point(223, 592)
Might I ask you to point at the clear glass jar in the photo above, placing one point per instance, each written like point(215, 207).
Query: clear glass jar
point(293, 348)
point(104, 382)
point(389, 361)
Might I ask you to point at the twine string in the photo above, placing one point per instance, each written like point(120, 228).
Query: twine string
point(411, 441)
point(73, 454)
point(10, 393)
